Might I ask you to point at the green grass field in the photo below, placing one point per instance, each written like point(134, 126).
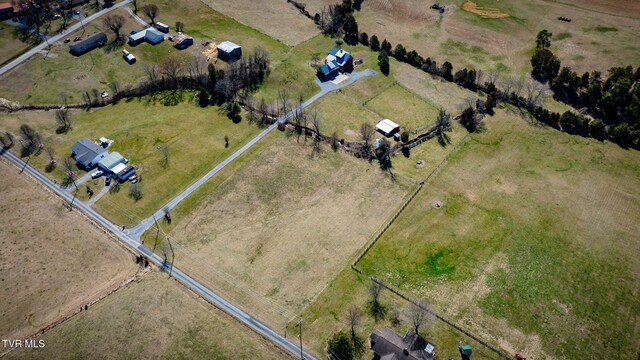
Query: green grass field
point(10, 45)
point(527, 211)
point(195, 138)
point(532, 249)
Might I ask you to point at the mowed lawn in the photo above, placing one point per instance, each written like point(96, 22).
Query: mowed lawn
point(274, 233)
point(600, 35)
point(153, 318)
point(52, 261)
point(534, 247)
point(194, 136)
point(10, 45)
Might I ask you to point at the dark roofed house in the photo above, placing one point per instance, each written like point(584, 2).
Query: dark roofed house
point(183, 41)
point(337, 60)
point(388, 345)
point(89, 43)
point(87, 153)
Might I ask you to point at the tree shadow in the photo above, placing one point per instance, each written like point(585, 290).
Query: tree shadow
point(406, 151)
point(377, 310)
point(171, 97)
point(113, 46)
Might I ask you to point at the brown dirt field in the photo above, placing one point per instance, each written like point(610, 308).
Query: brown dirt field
point(154, 318)
point(273, 235)
point(52, 261)
point(484, 12)
point(277, 19)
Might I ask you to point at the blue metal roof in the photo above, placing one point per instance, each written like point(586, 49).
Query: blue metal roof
point(328, 68)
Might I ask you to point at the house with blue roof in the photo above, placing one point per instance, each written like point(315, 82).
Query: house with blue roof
point(337, 61)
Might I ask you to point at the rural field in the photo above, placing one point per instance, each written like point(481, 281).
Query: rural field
point(282, 226)
point(194, 137)
point(280, 20)
point(153, 318)
point(71, 76)
point(526, 211)
point(600, 35)
point(10, 45)
point(52, 261)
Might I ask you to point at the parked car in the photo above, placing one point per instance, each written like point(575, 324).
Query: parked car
point(67, 40)
point(96, 174)
point(55, 16)
point(107, 181)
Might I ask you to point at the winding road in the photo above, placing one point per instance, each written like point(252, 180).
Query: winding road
point(22, 58)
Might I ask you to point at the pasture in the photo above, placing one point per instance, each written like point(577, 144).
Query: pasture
point(52, 261)
point(600, 35)
point(535, 239)
point(71, 76)
point(152, 318)
point(275, 232)
point(10, 45)
point(279, 20)
point(193, 135)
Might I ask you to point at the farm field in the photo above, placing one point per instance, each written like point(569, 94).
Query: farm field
point(52, 261)
point(194, 136)
point(281, 227)
point(526, 211)
point(154, 318)
point(497, 260)
point(280, 20)
point(594, 40)
point(10, 45)
point(71, 76)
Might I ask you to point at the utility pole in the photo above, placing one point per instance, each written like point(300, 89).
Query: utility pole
point(173, 256)
point(157, 231)
point(300, 328)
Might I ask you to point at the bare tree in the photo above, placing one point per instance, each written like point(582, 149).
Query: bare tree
point(334, 141)
point(135, 191)
point(315, 122)
point(443, 125)
point(70, 173)
point(152, 73)
point(395, 317)
point(283, 99)
point(135, 6)
point(366, 133)
point(171, 68)
point(354, 317)
point(164, 153)
point(51, 165)
point(31, 140)
point(376, 308)
point(151, 11)
point(418, 314)
point(63, 118)
point(263, 110)
point(179, 26)
point(114, 22)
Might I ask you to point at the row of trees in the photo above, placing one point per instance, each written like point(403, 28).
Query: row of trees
point(614, 101)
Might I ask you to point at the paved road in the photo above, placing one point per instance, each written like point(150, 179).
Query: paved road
point(183, 278)
point(22, 58)
point(137, 18)
point(326, 87)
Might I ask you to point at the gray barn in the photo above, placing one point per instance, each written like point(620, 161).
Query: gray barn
point(89, 43)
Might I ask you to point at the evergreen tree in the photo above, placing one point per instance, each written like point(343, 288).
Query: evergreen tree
point(383, 63)
point(374, 43)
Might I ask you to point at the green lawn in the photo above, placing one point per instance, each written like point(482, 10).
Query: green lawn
point(537, 229)
point(10, 45)
point(195, 138)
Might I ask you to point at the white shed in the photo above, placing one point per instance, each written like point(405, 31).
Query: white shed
point(387, 127)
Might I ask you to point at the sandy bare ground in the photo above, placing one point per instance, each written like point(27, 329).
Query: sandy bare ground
point(277, 19)
point(52, 261)
point(283, 226)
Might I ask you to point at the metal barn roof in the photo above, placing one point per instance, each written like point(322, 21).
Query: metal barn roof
point(228, 46)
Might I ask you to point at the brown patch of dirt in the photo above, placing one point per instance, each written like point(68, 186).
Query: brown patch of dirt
point(484, 12)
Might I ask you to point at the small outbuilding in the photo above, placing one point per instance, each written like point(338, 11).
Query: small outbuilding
point(89, 43)
point(150, 35)
point(183, 41)
point(229, 51)
point(162, 27)
point(387, 127)
point(87, 153)
point(128, 57)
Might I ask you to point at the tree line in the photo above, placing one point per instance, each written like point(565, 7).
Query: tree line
point(614, 102)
